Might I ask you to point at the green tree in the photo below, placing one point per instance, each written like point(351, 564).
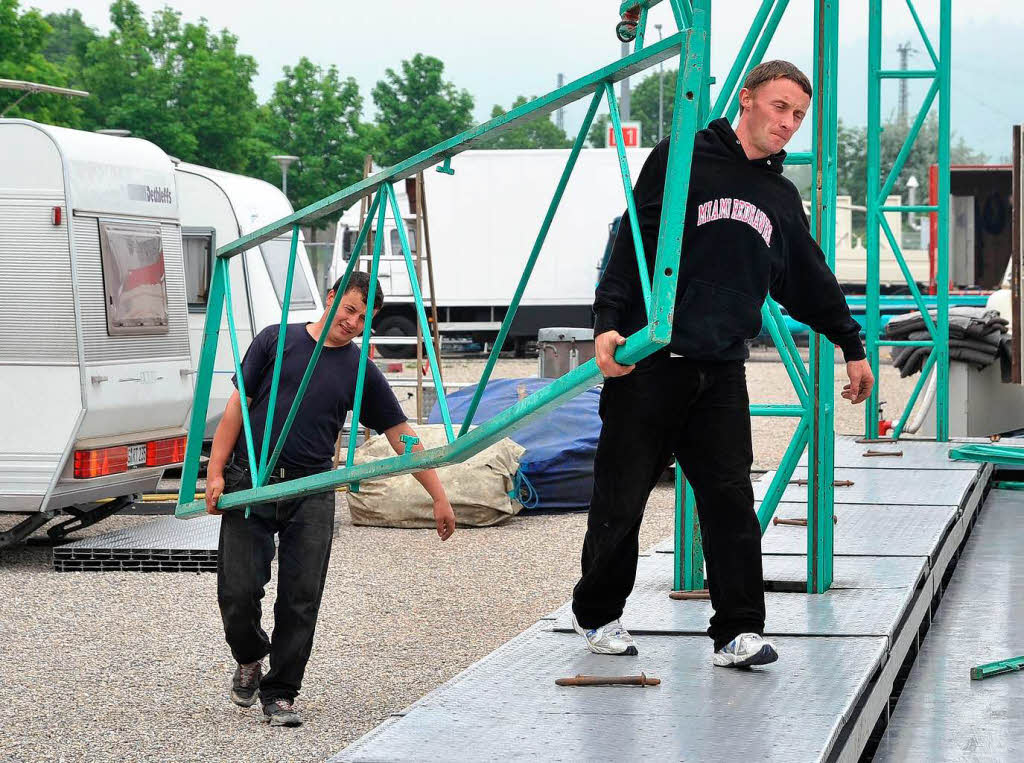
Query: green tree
point(643, 105)
point(418, 108)
point(23, 39)
point(851, 168)
point(314, 114)
point(598, 135)
point(179, 85)
point(537, 133)
point(69, 39)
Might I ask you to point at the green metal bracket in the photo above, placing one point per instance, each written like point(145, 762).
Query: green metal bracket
point(446, 167)
point(1013, 665)
point(409, 441)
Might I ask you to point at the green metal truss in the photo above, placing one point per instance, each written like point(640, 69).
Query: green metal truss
point(693, 109)
point(690, 43)
point(877, 225)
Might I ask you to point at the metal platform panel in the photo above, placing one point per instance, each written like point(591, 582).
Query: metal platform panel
point(901, 487)
point(507, 707)
point(861, 530)
point(163, 545)
point(869, 597)
point(942, 713)
point(867, 530)
point(914, 454)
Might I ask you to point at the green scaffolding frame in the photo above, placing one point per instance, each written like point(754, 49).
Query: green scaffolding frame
point(878, 191)
point(813, 385)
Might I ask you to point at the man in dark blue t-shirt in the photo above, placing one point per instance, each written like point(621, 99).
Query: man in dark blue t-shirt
point(304, 525)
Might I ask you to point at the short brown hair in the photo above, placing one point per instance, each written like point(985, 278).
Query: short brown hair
point(360, 282)
point(773, 70)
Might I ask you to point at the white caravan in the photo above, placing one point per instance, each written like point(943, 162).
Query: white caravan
point(95, 371)
point(483, 222)
point(216, 208)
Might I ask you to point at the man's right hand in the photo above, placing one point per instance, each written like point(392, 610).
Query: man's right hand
point(605, 346)
point(214, 490)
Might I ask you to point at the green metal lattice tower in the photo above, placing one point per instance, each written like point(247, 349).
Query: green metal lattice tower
point(877, 193)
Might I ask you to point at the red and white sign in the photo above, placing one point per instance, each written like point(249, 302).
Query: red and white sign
point(630, 135)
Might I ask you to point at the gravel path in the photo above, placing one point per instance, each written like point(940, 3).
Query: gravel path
point(132, 666)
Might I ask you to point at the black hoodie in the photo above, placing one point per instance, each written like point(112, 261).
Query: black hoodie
point(745, 235)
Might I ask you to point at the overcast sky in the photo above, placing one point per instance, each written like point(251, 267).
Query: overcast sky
point(500, 50)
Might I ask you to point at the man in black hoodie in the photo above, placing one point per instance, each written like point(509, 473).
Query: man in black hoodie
point(745, 236)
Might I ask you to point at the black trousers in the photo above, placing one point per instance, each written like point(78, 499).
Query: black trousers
point(699, 412)
point(305, 528)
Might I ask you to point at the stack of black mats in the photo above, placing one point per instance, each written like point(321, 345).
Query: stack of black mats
point(977, 336)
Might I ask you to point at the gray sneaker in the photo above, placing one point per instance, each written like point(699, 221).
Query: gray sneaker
point(245, 682)
point(281, 712)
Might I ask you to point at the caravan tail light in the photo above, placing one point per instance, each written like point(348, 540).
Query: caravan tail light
point(97, 463)
point(161, 452)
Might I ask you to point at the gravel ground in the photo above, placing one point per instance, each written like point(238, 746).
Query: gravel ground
point(132, 666)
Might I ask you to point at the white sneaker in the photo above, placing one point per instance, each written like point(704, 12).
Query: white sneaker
point(611, 638)
point(745, 650)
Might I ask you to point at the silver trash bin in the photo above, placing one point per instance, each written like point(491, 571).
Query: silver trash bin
point(560, 350)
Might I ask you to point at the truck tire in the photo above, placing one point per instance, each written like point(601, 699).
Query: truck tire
point(396, 325)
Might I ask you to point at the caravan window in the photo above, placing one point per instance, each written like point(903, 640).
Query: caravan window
point(275, 255)
point(198, 247)
point(133, 278)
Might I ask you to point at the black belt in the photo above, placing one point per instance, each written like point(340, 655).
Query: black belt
point(283, 473)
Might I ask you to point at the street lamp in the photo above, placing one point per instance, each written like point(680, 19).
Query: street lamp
point(661, 91)
point(284, 160)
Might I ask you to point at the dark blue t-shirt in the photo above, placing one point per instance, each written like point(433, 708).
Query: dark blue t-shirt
point(327, 401)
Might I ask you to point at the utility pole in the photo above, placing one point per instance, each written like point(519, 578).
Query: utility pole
point(661, 91)
point(560, 114)
point(905, 52)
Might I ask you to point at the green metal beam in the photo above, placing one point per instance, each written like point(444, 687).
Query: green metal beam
point(1012, 665)
point(435, 365)
point(268, 430)
point(1002, 455)
point(364, 349)
point(204, 382)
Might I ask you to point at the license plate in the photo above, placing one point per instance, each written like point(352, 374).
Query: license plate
point(136, 455)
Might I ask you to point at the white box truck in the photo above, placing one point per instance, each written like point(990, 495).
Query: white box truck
point(483, 222)
point(95, 369)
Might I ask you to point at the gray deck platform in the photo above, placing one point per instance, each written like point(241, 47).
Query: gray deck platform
point(507, 707)
point(914, 454)
point(869, 597)
point(942, 713)
point(885, 485)
point(841, 652)
point(163, 545)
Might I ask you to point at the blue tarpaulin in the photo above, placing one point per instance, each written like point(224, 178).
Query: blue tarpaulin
point(559, 458)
